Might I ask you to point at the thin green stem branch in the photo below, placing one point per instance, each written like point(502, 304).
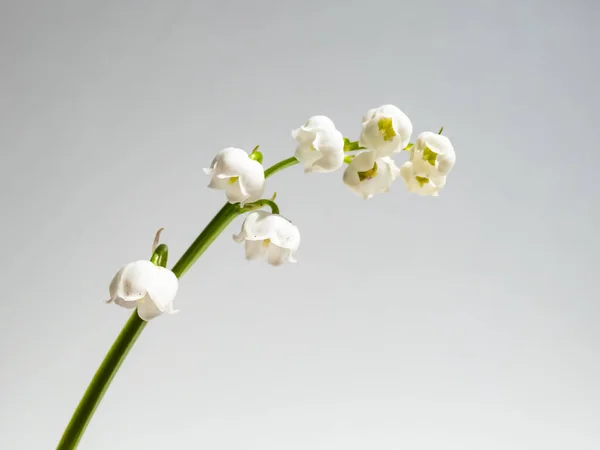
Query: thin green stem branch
point(280, 166)
point(223, 218)
point(259, 204)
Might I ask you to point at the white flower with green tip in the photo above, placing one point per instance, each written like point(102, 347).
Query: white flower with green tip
point(150, 288)
point(385, 130)
point(269, 236)
point(431, 160)
point(242, 178)
point(367, 174)
point(320, 145)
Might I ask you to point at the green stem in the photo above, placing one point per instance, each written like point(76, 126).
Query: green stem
point(259, 204)
point(208, 235)
point(134, 326)
point(99, 384)
point(280, 166)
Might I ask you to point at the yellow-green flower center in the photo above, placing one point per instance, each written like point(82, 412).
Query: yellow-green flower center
point(266, 242)
point(233, 180)
point(368, 174)
point(422, 180)
point(429, 156)
point(386, 128)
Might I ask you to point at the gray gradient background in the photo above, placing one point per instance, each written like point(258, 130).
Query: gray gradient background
point(464, 322)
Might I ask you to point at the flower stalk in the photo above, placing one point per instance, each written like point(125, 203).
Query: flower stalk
point(151, 288)
point(135, 325)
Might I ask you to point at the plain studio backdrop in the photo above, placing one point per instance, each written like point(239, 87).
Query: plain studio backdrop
point(467, 321)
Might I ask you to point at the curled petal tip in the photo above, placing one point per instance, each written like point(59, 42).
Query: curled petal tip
point(157, 239)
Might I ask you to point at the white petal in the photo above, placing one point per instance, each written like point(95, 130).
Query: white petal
point(147, 309)
point(321, 146)
point(162, 288)
point(372, 138)
point(394, 170)
point(114, 284)
point(219, 183)
point(440, 144)
point(260, 225)
point(276, 255)
point(254, 228)
point(380, 183)
point(370, 114)
point(291, 257)
point(132, 280)
point(364, 161)
point(406, 171)
point(252, 180)
point(234, 193)
point(382, 180)
point(240, 237)
point(307, 155)
point(126, 304)
point(230, 162)
point(285, 234)
point(316, 123)
point(331, 141)
point(439, 182)
point(255, 250)
point(351, 177)
point(304, 136)
point(329, 162)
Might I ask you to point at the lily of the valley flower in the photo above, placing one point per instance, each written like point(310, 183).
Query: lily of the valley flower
point(242, 178)
point(320, 145)
point(269, 235)
point(143, 285)
point(368, 174)
point(385, 130)
point(431, 160)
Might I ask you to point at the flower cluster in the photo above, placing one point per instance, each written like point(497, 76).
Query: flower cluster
point(385, 130)
point(321, 148)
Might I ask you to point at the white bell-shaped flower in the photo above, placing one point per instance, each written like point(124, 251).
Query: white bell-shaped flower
point(369, 174)
point(431, 160)
point(150, 288)
point(320, 145)
point(242, 178)
point(385, 130)
point(437, 150)
point(269, 235)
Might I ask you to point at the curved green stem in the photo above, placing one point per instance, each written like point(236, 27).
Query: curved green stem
point(134, 326)
point(99, 384)
point(223, 218)
point(280, 166)
point(259, 204)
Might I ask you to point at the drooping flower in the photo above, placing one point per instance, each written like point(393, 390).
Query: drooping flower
point(150, 288)
point(431, 160)
point(369, 174)
point(242, 178)
point(385, 130)
point(320, 145)
point(269, 235)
